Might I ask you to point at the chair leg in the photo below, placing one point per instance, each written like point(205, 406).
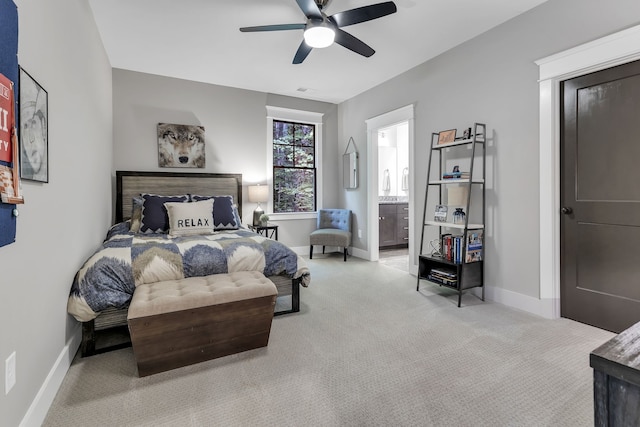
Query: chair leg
point(322, 249)
point(311, 252)
point(345, 254)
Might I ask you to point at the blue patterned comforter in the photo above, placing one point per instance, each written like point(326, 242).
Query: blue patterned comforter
point(126, 260)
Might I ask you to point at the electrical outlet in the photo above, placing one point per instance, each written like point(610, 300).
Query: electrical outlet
point(9, 373)
point(359, 233)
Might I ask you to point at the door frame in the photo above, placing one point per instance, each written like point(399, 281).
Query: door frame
point(403, 114)
point(615, 49)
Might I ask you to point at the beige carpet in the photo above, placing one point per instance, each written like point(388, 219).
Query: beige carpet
point(365, 350)
point(396, 258)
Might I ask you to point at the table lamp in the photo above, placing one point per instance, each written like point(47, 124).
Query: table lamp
point(258, 194)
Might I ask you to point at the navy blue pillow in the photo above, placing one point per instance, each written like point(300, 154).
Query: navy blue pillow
point(154, 215)
point(223, 216)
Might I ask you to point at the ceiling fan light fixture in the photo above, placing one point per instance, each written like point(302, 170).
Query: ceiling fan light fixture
point(319, 36)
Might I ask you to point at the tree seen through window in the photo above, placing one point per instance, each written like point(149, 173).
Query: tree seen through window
point(294, 167)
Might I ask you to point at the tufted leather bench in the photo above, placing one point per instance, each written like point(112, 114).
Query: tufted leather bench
point(180, 322)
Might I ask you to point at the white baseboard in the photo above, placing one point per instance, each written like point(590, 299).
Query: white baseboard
point(40, 406)
point(545, 307)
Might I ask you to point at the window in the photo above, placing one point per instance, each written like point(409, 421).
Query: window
point(294, 167)
point(294, 162)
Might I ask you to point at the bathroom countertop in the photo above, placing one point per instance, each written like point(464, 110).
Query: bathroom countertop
point(392, 200)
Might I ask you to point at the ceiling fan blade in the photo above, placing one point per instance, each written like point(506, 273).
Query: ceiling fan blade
point(278, 27)
point(302, 53)
point(364, 14)
point(352, 43)
point(310, 8)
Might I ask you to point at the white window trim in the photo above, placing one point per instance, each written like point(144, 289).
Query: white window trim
point(298, 116)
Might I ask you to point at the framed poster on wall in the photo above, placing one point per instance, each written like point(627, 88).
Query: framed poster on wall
point(34, 137)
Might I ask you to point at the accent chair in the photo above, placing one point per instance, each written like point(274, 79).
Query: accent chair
point(333, 229)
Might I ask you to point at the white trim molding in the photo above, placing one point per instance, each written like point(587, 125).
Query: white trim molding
point(606, 52)
point(299, 116)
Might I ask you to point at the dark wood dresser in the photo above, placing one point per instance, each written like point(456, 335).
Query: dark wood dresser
point(616, 380)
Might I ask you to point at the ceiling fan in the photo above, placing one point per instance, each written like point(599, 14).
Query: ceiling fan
point(321, 30)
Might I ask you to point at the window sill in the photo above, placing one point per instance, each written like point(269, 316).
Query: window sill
point(292, 216)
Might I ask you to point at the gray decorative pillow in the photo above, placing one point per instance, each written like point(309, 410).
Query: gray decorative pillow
point(154, 214)
point(223, 216)
point(236, 216)
point(187, 219)
point(136, 213)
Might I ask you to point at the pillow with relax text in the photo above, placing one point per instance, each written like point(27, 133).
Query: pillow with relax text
point(223, 215)
point(154, 214)
point(187, 219)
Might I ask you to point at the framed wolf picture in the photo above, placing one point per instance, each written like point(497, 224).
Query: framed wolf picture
point(180, 146)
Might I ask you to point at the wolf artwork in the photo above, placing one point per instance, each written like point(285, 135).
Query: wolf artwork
point(180, 146)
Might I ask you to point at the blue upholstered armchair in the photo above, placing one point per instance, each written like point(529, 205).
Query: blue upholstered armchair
point(333, 229)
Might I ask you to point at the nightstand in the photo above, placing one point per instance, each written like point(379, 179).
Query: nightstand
point(269, 231)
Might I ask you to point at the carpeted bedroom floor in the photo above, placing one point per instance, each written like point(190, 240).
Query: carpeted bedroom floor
point(366, 349)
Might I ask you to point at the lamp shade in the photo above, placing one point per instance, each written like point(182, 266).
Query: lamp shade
point(258, 193)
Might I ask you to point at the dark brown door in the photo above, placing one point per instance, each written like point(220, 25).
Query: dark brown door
point(600, 198)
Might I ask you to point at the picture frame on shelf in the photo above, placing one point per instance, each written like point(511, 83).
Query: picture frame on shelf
point(440, 213)
point(446, 136)
point(33, 133)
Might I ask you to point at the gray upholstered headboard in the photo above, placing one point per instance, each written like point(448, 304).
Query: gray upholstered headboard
point(130, 184)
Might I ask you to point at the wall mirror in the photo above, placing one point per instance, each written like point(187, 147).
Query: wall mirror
point(350, 166)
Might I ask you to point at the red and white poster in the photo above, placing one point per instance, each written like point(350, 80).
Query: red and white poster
point(6, 118)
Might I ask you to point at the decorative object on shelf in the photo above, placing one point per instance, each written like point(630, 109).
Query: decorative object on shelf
point(441, 213)
point(34, 137)
point(458, 216)
point(258, 194)
point(264, 219)
point(350, 166)
point(405, 179)
point(386, 180)
point(446, 136)
point(466, 134)
point(457, 196)
point(180, 146)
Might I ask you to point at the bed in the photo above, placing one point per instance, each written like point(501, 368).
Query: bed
point(135, 252)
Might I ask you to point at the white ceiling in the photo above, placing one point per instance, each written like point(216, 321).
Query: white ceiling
point(200, 40)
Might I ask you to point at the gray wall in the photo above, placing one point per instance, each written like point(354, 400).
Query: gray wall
point(490, 79)
point(235, 133)
point(61, 222)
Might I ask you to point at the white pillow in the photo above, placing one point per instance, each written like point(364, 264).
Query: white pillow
point(187, 219)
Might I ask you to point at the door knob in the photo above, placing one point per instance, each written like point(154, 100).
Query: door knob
point(567, 210)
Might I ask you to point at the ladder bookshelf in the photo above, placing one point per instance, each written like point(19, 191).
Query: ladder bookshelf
point(456, 257)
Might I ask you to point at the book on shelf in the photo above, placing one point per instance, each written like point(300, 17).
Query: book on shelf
point(456, 175)
point(442, 282)
point(474, 246)
point(451, 248)
point(444, 273)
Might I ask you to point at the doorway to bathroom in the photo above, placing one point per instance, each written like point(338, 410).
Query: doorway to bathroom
point(390, 178)
point(393, 196)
